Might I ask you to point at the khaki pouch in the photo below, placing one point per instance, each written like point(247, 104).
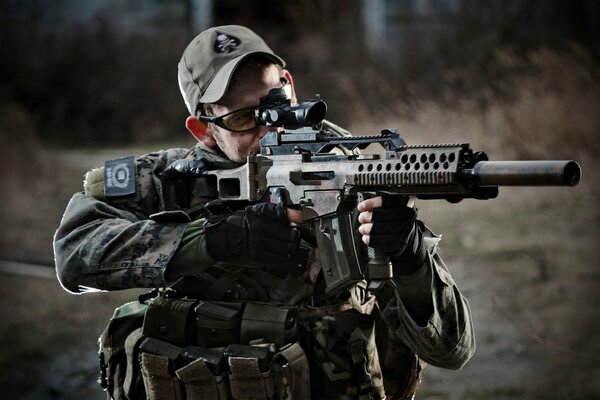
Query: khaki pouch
point(201, 384)
point(247, 381)
point(160, 384)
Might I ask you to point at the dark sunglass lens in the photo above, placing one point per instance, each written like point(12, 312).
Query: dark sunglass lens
point(241, 120)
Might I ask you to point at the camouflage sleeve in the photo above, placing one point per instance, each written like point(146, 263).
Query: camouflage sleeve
point(100, 246)
point(446, 339)
point(111, 245)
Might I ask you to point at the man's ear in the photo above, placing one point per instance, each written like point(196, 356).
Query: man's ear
point(199, 130)
point(292, 93)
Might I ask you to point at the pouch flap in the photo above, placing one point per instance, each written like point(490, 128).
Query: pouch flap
point(170, 320)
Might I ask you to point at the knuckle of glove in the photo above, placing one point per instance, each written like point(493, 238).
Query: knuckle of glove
point(392, 228)
point(395, 215)
point(269, 211)
point(265, 220)
point(396, 220)
point(391, 201)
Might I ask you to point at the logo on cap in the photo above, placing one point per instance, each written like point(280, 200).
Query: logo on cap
point(226, 43)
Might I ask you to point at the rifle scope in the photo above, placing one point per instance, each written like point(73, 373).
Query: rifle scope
point(307, 113)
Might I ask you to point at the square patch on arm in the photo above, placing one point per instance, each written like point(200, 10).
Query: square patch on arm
point(119, 177)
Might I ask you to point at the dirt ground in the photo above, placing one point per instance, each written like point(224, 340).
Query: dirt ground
point(527, 262)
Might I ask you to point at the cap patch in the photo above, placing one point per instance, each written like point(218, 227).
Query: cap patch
point(119, 177)
point(225, 43)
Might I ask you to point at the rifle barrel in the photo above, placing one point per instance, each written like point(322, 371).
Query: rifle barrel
point(525, 173)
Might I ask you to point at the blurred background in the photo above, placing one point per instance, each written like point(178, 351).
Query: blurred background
point(82, 81)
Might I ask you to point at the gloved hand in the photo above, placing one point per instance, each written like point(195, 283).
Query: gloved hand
point(187, 167)
point(387, 224)
point(261, 233)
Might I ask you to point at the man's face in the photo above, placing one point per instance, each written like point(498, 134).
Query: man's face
point(245, 93)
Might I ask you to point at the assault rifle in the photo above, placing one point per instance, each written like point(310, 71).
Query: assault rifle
point(296, 166)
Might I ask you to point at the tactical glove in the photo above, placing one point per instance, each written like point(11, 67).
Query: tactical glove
point(397, 233)
point(260, 233)
point(187, 167)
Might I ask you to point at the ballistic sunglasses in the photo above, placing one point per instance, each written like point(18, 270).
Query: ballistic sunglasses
point(240, 120)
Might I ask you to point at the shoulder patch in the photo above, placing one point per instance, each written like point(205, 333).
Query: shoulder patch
point(119, 177)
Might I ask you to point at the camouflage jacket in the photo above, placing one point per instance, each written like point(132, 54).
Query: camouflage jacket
point(128, 241)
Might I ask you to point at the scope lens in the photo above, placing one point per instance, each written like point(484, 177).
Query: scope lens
point(315, 112)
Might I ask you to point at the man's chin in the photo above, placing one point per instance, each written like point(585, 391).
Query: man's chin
point(254, 152)
point(243, 159)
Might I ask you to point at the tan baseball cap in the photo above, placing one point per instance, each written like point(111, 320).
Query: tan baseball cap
point(209, 61)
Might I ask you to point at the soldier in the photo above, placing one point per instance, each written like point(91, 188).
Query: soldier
point(246, 315)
